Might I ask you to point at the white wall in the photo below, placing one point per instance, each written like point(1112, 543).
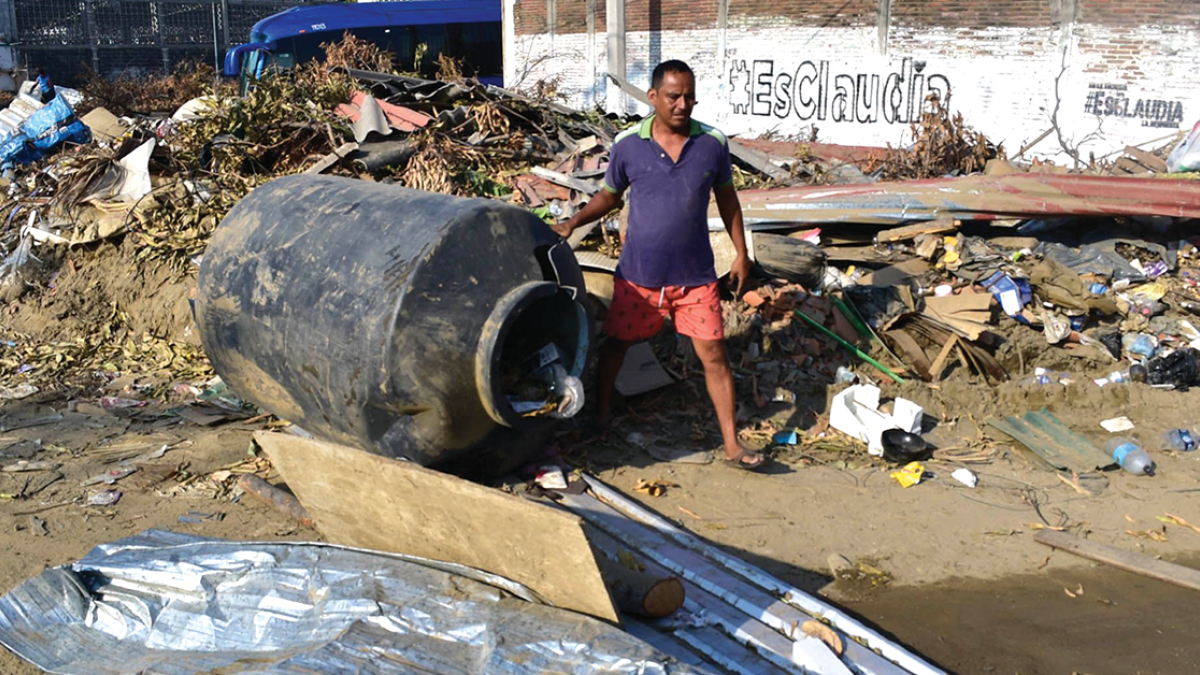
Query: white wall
point(1002, 80)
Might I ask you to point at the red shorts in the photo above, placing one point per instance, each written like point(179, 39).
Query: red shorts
point(636, 312)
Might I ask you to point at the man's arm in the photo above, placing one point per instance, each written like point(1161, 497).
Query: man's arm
point(599, 206)
point(731, 215)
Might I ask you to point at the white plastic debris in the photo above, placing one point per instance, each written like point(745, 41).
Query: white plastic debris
point(966, 477)
point(1117, 424)
point(855, 412)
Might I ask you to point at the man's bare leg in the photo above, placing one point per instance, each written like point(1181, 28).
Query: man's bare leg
point(612, 356)
point(718, 376)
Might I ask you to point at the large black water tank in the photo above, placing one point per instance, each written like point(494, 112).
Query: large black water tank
point(378, 316)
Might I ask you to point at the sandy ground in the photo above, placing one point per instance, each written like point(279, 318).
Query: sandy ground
point(952, 571)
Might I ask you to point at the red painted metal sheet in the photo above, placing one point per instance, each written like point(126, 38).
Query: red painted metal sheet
point(1028, 195)
point(861, 155)
point(398, 117)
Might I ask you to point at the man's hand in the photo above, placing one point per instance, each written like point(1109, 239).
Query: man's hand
point(563, 228)
point(739, 273)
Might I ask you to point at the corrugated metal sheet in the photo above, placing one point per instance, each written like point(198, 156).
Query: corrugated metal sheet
point(1028, 195)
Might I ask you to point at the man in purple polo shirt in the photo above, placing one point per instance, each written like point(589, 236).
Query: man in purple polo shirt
point(670, 164)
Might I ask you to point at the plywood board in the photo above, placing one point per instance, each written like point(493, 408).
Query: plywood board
point(1120, 558)
point(364, 500)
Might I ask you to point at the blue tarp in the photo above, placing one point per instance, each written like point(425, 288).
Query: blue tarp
point(53, 124)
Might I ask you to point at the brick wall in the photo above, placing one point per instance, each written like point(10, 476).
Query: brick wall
point(1117, 71)
point(971, 13)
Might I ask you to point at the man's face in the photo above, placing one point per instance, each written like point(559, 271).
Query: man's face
point(674, 99)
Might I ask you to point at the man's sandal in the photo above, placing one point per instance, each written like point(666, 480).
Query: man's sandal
point(737, 463)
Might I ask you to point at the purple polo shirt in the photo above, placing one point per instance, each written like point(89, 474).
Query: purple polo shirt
point(667, 240)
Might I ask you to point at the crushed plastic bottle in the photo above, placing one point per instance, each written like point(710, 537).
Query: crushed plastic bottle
point(1131, 457)
point(1179, 440)
point(1042, 376)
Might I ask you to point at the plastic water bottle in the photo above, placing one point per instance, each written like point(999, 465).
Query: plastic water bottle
point(1043, 376)
point(1131, 457)
point(1180, 440)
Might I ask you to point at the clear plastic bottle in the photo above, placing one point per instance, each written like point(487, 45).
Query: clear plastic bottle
point(1135, 373)
point(1179, 440)
point(1042, 376)
point(1130, 456)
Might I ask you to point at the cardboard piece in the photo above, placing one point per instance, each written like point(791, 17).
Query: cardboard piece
point(969, 313)
point(894, 275)
point(369, 501)
point(105, 126)
point(641, 372)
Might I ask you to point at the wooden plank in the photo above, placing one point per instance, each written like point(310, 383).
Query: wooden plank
point(1129, 166)
point(920, 362)
point(939, 363)
point(369, 501)
point(565, 180)
point(1146, 159)
point(1122, 559)
point(907, 232)
point(332, 158)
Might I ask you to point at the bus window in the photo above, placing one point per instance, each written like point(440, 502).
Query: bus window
point(480, 45)
point(437, 41)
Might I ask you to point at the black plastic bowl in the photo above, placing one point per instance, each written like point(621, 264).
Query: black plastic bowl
point(901, 446)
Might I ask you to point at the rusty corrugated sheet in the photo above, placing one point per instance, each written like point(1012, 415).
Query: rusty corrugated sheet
point(1027, 195)
point(861, 155)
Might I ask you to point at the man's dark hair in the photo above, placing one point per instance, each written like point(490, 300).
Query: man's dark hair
point(672, 66)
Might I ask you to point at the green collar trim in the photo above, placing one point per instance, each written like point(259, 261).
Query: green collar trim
point(644, 129)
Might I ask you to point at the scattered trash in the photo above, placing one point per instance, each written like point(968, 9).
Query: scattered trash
point(1117, 424)
point(192, 517)
point(654, 487)
point(551, 478)
point(785, 437)
point(965, 476)
point(855, 412)
point(26, 465)
point(110, 477)
point(106, 498)
point(1180, 440)
point(1126, 453)
point(117, 403)
point(910, 475)
point(18, 392)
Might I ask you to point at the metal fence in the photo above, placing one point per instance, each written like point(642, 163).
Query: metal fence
point(130, 37)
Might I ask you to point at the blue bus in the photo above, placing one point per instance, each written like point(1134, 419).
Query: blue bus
point(466, 29)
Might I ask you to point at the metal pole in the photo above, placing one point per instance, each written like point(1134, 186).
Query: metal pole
point(225, 24)
point(216, 46)
point(614, 18)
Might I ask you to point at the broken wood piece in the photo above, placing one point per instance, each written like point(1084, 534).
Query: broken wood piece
point(816, 629)
point(639, 592)
point(1146, 159)
point(332, 158)
point(370, 501)
point(1127, 165)
point(939, 363)
point(1121, 559)
point(565, 180)
point(916, 356)
point(275, 497)
point(907, 232)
